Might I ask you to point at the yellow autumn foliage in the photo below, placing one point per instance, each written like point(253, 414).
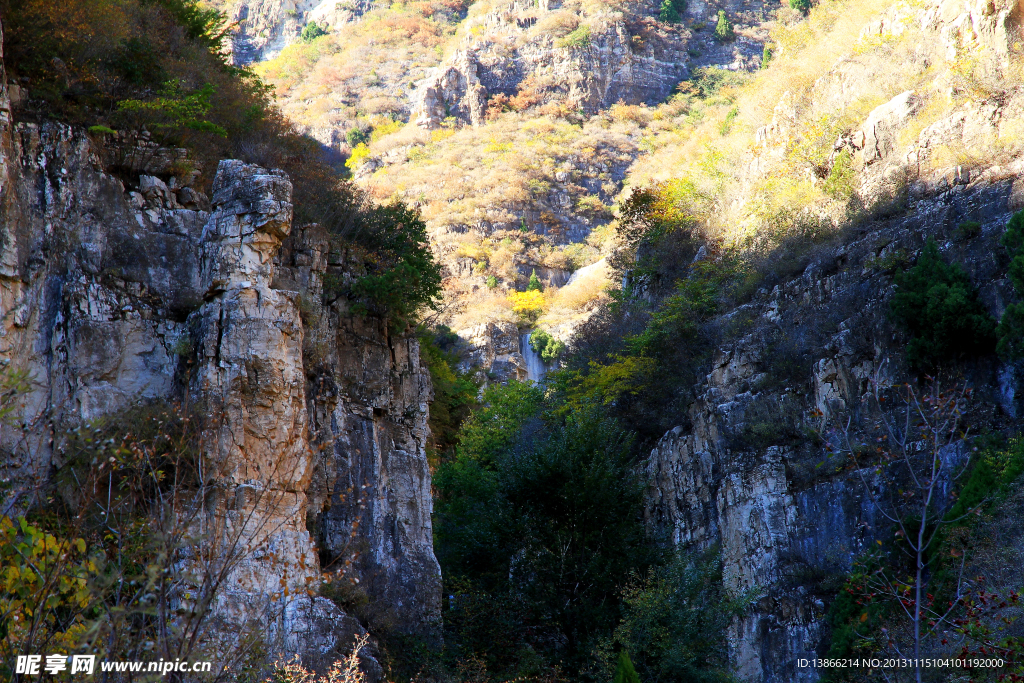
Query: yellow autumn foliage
point(527, 305)
point(44, 588)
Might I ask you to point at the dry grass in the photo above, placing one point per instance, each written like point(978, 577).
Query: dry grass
point(759, 151)
point(507, 193)
point(753, 152)
point(342, 671)
point(477, 304)
point(579, 296)
point(367, 67)
point(499, 174)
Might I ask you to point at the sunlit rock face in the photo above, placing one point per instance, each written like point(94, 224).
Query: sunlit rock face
point(113, 294)
point(262, 28)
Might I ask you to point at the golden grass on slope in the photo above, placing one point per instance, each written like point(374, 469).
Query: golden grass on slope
point(761, 148)
point(559, 306)
point(495, 194)
point(508, 170)
point(580, 295)
point(477, 304)
point(366, 67)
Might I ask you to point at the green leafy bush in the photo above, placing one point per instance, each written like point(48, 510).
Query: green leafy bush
point(681, 314)
point(625, 672)
point(357, 136)
point(936, 304)
point(842, 177)
point(991, 477)
point(402, 275)
point(675, 620)
point(45, 596)
point(967, 230)
point(540, 516)
point(174, 108)
point(855, 621)
point(455, 393)
point(578, 38)
point(312, 31)
point(547, 346)
point(535, 284)
point(643, 357)
point(656, 224)
point(897, 259)
point(802, 6)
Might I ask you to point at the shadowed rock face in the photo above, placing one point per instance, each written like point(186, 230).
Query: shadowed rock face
point(745, 468)
point(111, 295)
point(492, 351)
point(786, 513)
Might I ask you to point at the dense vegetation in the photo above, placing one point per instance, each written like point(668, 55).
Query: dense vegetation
point(159, 65)
point(938, 307)
point(548, 570)
point(640, 357)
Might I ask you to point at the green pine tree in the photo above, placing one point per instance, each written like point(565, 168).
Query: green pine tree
point(937, 304)
point(667, 12)
point(535, 283)
point(624, 672)
point(723, 30)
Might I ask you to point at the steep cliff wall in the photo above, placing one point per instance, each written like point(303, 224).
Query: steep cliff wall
point(741, 472)
point(553, 53)
point(744, 469)
point(113, 293)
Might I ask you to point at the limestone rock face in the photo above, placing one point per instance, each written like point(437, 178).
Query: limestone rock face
point(455, 91)
point(740, 471)
point(609, 68)
point(368, 393)
point(883, 124)
point(265, 27)
point(588, 66)
point(250, 381)
point(492, 349)
point(111, 295)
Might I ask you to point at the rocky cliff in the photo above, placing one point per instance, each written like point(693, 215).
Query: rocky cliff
point(263, 28)
point(550, 53)
point(741, 473)
point(122, 283)
point(741, 470)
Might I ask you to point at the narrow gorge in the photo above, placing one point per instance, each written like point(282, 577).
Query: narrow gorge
point(473, 342)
